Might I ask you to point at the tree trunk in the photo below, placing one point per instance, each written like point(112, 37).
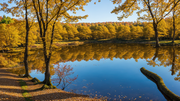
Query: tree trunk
point(156, 54)
point(47, 79)
point(26, 44)
point(2, 48)
point(156, 35)
point(174, 27)
point(173, 62)
point(170, 35)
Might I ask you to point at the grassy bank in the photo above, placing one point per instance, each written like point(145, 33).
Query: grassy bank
point(80, 42)
point(152, 42)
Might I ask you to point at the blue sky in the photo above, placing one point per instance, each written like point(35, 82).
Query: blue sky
point(99, 12)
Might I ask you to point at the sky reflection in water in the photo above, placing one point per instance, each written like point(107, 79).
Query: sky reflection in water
point(117, 79)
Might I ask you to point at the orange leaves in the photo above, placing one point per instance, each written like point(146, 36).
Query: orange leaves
point(15, 7)
point(98, 1)
point(10, 1)
point(3, 6)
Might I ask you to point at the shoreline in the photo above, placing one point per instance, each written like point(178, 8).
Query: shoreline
point(33, 92)
point(152, 43)
point(81, 42)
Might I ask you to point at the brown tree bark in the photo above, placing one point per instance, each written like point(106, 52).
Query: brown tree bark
point(47, 79)
point(26, 44)
point(174, 27)
point(156, 54)
point(156, 35)
point(173, 62)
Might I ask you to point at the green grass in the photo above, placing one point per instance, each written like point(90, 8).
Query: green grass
point(167, 41)
point(36, 81)
point(104, 39)
point(162, 42)
point(48, 87)
point(25, 94)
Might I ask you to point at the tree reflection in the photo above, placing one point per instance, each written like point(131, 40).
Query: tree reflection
point(63, 73)
point(156, 54)
point(168, 56)
point(173, 62)
point(163, 56)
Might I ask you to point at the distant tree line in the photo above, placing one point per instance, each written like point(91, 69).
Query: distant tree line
point(12, 31)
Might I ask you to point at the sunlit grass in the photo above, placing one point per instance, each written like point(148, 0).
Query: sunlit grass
point(167, 41)
point(104, 39)
point(25, 94)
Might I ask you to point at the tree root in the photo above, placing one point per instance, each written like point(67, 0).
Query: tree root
point(48, 87)
point(27, 76)
point(36, 81)
point(160, 84)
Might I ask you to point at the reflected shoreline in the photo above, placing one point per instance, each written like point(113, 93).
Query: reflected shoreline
point(163, 56)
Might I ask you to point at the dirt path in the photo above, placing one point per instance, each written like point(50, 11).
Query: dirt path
point(53, 94)
point(10, 90)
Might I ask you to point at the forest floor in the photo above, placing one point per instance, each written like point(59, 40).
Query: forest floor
point(10, 90)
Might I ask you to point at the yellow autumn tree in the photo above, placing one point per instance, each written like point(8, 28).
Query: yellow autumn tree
point(21, 8)
point(162, 29)
point(136, 32)
point(9, 36)
point(148, 31)
point(49, 12)
point(112, 30)
point(154, 10)
point(123, 32)
point(60, 33)
point(71, 31)
point(84, 32)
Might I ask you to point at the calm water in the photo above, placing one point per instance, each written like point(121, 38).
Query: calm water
point(113, 70)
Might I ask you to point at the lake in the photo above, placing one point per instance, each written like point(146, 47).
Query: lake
point(111, 71)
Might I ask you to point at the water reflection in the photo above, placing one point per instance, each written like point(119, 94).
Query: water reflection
point(62, 76)
point(153, 80)
point(110, 65)
point(166, 55)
